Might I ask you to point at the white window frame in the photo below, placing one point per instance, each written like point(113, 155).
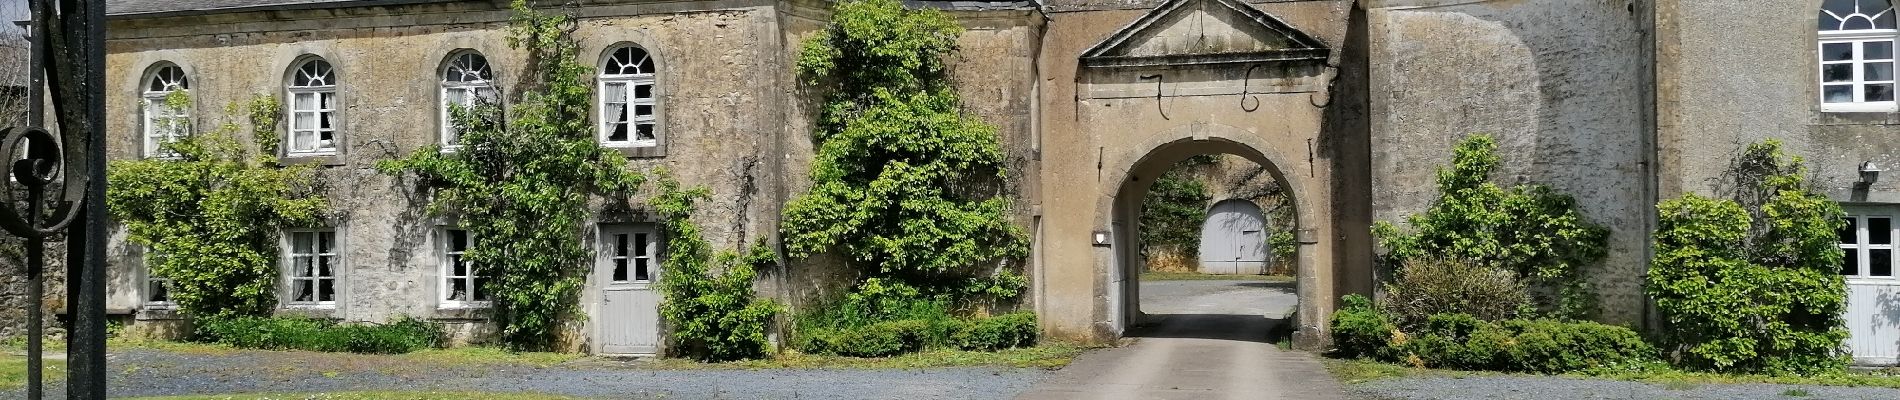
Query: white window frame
point(1863, 246)
point(151, 283)
point(318, 92)
point(317, 254)
point(162, 123)
point(629, 97)
point(455, 80)
point(1858, 83)
point(446, 260)
point(624, 262)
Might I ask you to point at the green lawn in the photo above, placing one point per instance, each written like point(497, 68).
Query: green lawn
point(13, 371)
point(1047, 356)
point(374, 395)
point(1194, 276)
point(1356, 371)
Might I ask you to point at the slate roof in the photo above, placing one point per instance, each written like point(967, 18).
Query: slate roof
point(127, 8)
point(166, 7)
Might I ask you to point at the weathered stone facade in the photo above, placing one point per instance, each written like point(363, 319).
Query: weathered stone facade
point(1347, 105)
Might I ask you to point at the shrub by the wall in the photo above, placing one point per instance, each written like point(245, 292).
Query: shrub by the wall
point(1462, 341)
point(1752, 283)
point(401, 335)
point(710, 307)
point(996, 333)
point(1531, 230)
point(1359, 330)
point(1427, 287)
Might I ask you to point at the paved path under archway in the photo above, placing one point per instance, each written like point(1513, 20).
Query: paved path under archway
point(1205, 340)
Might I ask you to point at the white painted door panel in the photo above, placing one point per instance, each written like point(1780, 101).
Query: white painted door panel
point(1233, 240)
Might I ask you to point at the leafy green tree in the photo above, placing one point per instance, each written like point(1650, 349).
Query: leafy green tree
point(521, 185)
point(1751, 283)
point(1528, 229)
point(211, 212)
point(1173, 211)
point(711, 316)
point(905, 185)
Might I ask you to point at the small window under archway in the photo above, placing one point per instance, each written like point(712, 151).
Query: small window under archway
point(467, 80)
point(1857, 55)
point(628, 105)
point(166, 111)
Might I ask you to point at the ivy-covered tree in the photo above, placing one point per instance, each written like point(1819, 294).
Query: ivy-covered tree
point(904, 184)
point(1752, 282)
point(210, 212)
point(1530, 229)
point(520, 185)
point(710, 308)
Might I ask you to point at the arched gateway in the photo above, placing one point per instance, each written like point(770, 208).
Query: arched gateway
point(1194, 77)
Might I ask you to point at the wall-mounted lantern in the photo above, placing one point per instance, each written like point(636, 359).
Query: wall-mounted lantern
point(1869, 173)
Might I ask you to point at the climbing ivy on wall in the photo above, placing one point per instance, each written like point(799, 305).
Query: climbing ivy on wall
point(905, 185)
point(520, 185)
point(211, 213)
point(1530, 229)
point(710, 308)
point(1752, 282)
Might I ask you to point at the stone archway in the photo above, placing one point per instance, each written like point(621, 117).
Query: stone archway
point(1120, 207)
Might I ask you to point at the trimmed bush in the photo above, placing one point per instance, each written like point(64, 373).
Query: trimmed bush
point(1011, 330)
point(402, 335)
point(1462, 341)
point(881, 339)
point(1360, 330)
point(1428, 287)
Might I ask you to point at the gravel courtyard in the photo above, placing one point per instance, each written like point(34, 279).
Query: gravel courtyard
point(145, 372)
point(1554, 387)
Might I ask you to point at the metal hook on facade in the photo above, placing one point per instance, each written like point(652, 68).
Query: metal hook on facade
point(1245, 81)
point(1158, 80)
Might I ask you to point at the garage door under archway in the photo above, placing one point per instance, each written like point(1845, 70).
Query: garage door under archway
point(1234, 239)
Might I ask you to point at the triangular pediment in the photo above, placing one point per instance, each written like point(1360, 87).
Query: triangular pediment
point(1185, 32)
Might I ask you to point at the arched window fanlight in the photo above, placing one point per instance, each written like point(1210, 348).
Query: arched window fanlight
point(164, 121)
point(1856, 55)
point(628, 106)
point(467, 80)
point(312, 111)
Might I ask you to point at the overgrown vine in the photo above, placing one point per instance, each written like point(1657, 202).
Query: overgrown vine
point(710, 308)
point(906, 186)
point(210, 212)
point(520, 185)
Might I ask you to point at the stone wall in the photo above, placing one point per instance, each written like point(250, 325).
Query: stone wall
point(1560, 83)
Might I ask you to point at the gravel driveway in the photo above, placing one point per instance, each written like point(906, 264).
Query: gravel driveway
point(144, 372)
point(1554, 387)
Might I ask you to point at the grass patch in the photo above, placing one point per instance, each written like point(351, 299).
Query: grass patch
point(13, 371)
point(1672, 378)
point(1796, 392)
point(376, 395)
point(1195, 276)
point(1350, 371)
point(1047, 356)
point(488, 356)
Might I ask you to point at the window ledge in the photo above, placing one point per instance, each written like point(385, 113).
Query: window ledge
point(465, 311)
point(655, 151)
point(309, 310)
point(327, 160)
point(159, 313)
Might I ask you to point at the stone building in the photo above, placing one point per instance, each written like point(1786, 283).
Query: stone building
point(1349, 106)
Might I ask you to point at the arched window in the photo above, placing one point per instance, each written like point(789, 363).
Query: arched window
point(628, 107)
point(467, 80)
point(1856, 51)
point(312, 111)
point(166, 118)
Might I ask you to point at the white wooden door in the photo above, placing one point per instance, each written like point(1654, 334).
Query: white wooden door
point(629, 319)
point(1233, 239)
point(1873, 292)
